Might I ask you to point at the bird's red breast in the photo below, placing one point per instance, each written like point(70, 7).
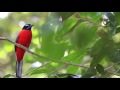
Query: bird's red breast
point(24, 38)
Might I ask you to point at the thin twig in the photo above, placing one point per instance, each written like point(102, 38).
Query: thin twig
point(112, 65)
point(34, 69)
point(56, 70)
point(112, 73)
point(116, 71)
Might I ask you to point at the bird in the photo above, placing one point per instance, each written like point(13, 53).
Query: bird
point(24, 38)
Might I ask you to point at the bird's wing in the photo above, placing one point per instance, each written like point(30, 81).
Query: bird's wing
point(16, 41)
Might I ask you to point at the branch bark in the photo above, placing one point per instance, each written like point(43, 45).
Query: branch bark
point(21, 46)
point(46, 58)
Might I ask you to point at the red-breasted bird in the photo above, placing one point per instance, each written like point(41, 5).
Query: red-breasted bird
point(24, 38)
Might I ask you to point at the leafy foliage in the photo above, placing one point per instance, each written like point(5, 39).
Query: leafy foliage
point(75, 43)
point(100, 69)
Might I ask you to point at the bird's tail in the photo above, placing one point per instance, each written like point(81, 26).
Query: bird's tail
point(19, 68)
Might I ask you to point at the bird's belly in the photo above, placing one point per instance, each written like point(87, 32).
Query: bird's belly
point(25, 40)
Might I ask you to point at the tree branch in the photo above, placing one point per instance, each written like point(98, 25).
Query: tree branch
point(49, 59)
point(21, 46)
point(46, 58)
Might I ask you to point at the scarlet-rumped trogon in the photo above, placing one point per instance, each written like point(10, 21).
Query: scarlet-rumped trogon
point(24, 38)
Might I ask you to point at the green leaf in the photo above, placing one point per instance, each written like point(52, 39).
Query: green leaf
point(114, 56)
point(39, 71)
point(117, 16)
point(89, 72)
point(72, 56)
point(48, 29)
point(66, 76)
point(118, 30)
point(73, 69)
point(66, 26)
point(83, 35)
point(64, 15)
point(100, 69)
point(49, 46)
point(97, 17)
point(7, 76)
point(85, 14)
point(47, 69)
point(94, 16)
point(100, 49)
point(76, 38)
point(103, 47)
point(77, 60)
point(53, 50)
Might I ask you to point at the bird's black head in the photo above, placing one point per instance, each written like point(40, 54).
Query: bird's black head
point(27, 26)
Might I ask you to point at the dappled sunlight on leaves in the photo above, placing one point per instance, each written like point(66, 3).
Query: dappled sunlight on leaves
point(71, 43)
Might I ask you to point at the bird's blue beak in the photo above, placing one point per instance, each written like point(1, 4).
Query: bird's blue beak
point(30, 26)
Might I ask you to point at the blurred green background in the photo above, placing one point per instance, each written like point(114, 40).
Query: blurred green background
point(90, 39)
